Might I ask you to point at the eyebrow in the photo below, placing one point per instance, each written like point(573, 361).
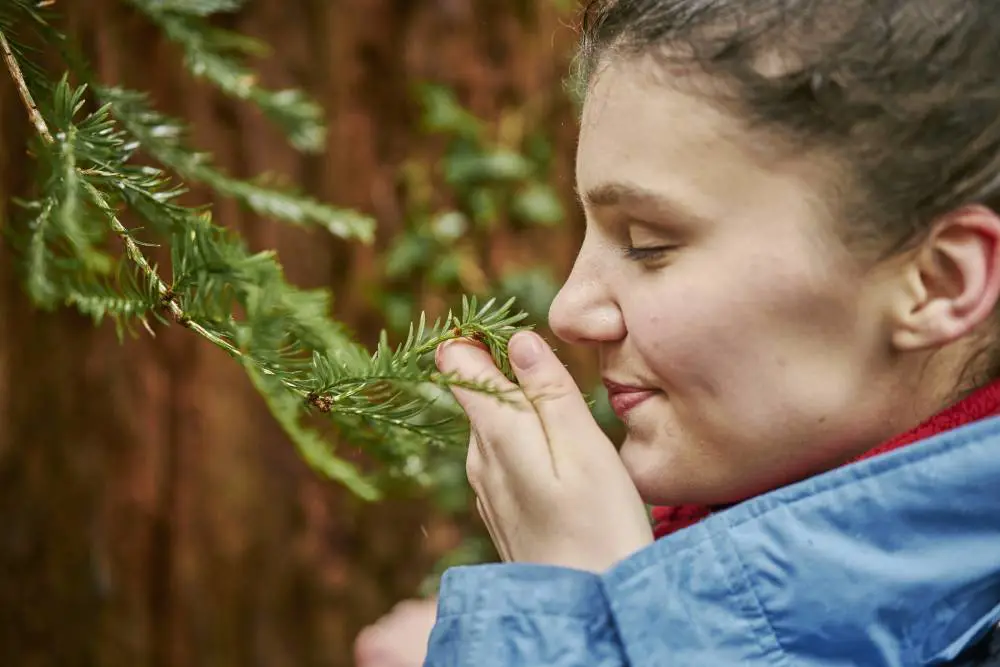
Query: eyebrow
point(606, 195)
point(614, 194)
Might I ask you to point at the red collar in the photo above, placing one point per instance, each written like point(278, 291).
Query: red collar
point(979, 405)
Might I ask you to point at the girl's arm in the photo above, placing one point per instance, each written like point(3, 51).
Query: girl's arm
point(687, 600)
point(507, 615)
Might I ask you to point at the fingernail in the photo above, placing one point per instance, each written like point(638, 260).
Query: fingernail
point(525, 349)
point(447, 353)
point(440, 356)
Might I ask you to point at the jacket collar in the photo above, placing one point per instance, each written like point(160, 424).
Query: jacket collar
point(893, 560)
point(985, 402)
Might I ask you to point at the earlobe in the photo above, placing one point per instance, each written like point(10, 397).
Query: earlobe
point(952, 281)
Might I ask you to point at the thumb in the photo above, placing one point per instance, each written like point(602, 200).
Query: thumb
point(549, 386)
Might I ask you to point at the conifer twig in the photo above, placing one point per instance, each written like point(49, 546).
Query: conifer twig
point(168, 303)
point(131, 247)
point(22, 88)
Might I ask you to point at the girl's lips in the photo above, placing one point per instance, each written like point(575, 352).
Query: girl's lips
point(624, 401)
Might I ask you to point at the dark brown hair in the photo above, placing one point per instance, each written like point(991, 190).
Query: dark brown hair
point(905, 92)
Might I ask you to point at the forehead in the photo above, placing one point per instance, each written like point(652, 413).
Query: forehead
point(647, 132)
point(641, 130)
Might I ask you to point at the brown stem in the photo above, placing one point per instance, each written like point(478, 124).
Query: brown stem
point(22, 88)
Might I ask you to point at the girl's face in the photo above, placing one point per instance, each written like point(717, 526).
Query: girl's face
point(757, 346)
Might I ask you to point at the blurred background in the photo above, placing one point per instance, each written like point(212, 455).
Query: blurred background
point(151, 511)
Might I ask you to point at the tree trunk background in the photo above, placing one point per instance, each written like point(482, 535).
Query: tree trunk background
point(151, 512)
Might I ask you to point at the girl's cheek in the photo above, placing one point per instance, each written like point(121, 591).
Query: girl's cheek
point(684, 331)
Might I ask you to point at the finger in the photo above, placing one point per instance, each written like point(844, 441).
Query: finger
point(369, 646)
point(489, 415)
point(472, 363)
point(550, 388)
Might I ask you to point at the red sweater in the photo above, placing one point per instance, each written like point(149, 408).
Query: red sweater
point(979, 405)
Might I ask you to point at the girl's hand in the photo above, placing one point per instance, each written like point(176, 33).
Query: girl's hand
point(398, 639)
point(549, 483)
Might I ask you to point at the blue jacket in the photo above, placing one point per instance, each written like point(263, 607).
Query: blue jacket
point(889, 562)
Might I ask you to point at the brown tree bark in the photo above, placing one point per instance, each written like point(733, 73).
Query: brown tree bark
point(151, 513)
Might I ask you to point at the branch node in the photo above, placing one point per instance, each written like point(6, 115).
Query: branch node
point(323, 403)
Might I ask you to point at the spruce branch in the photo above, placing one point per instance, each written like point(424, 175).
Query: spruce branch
point(391, 370)
point(166, 296)
point(311, 445)
point(393, 403)
point(164, 138)
point(69, 102)
point(281, 324)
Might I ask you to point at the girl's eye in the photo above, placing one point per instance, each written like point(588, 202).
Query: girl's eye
point(647, 253)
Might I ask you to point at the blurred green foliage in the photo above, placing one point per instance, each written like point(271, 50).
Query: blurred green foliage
point(489, 188)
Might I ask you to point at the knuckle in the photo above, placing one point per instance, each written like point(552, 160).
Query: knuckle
point(406, 607)
point(367, 646)
point(551, 391)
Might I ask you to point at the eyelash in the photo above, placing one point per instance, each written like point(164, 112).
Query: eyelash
point(645, 254)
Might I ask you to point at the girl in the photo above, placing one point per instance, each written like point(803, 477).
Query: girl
point(791, 270)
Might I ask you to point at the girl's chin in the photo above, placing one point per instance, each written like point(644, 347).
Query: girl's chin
point(665, 474)
point(651, 471)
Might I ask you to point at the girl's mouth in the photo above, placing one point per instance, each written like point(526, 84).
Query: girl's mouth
point(625, 398)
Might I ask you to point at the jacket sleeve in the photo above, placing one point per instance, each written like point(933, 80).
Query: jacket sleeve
point(507, 615)
point(681, 602)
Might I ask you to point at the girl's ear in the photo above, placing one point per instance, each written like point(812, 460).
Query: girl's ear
point(952, 281)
